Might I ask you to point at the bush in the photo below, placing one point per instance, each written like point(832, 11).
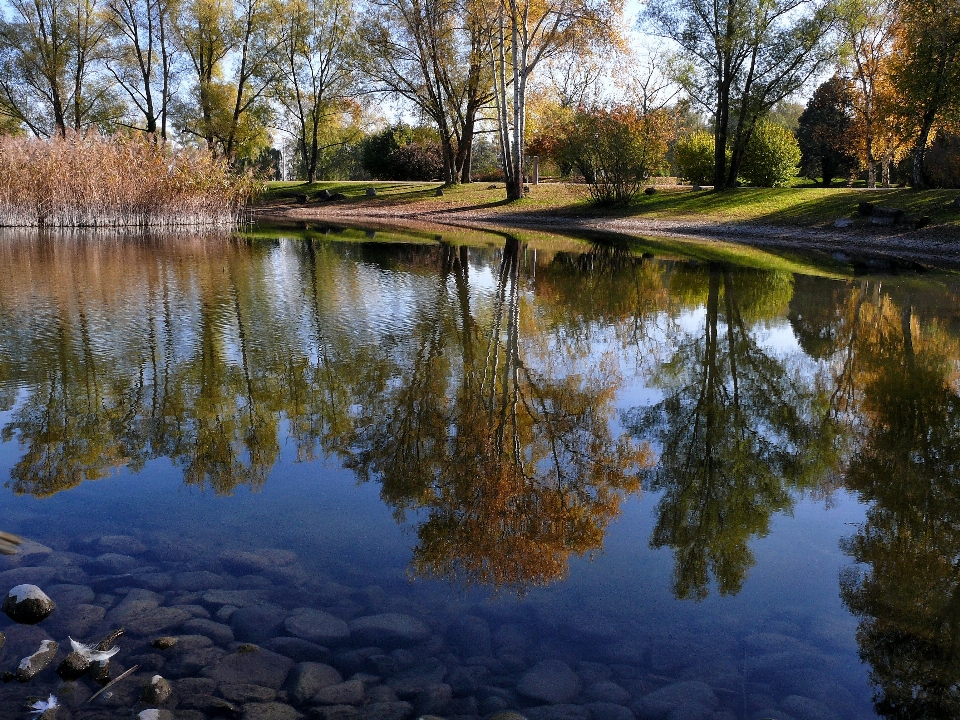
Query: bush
point(693, 154)
point(943, 161)
point(618, 148)
point(400, 152)
point(772, 156)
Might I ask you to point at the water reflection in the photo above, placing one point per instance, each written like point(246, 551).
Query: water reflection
point(739, 432)
point(479, 388)
point(906, 590)
point(504, 442)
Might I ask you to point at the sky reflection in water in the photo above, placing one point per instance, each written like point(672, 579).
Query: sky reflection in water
point(689, 450)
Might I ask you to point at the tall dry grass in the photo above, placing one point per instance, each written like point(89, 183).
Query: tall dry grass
point(87, 180)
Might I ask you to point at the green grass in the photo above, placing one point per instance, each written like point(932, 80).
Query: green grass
point(792, 207)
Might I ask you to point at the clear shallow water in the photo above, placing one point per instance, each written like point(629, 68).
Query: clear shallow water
point(710, 490)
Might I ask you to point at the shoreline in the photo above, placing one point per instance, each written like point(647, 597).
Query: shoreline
point(870, 246)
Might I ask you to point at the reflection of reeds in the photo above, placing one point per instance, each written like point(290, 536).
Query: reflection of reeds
point(92, 181)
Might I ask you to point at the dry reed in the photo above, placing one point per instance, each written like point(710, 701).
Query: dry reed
point(87, 180)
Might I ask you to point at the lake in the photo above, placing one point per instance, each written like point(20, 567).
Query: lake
point(367, 474)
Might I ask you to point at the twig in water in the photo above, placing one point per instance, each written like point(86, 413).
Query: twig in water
point(8, 543)
point(112, 683)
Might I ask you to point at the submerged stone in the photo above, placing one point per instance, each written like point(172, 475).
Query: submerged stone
point(27, 605)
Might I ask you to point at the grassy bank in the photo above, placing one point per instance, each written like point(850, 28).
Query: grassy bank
point(789, 207)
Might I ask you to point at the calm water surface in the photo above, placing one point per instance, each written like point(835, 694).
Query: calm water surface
point(586, 485)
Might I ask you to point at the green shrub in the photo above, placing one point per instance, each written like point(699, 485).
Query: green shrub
point(618, 148)
point(693, 154)
point(772, 156)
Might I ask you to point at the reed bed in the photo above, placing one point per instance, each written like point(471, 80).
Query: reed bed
point(87, 180)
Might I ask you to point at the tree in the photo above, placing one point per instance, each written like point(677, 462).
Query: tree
point(867, 29)
point(772, 156)
point(926, 70)
point(519, 35)
point(825, 132)
point(739, 58)
point(694, 155)
point(142, 58)
point(429, 52)
point(316, 74)
point(231, 47)
point(50, 54)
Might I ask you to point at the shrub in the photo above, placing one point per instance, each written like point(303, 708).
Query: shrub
point(86, 180)
point(693, 154)
point(400, 152)
point(772, 156)
point(618, 148)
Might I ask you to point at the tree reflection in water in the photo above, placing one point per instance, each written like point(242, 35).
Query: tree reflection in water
point(506, 447)
point(487, 414)
point(476, 414)
point(906, 590)
point(738, 433)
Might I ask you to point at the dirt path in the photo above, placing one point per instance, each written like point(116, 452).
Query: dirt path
point(871, 245)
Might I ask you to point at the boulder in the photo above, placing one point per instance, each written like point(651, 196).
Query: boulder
point(269, 711)
point(317, 626)
point(371, 192)
point(28, 605)
point(156, 691)
point(345, 693)
point(257, 623)
point(308, 678)
point(550, 681)
point(251, 665)
point(389, 629)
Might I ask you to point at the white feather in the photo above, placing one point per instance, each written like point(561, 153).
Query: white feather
point(91, 653)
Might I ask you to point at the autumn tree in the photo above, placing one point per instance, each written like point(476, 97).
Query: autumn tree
point(50, 66)
point(430, 53)
point(926, 70)
point(825, 132)
point(316, 73)
point(230, 47)
point(519, 35)
point(739, 58)
point(867, 27)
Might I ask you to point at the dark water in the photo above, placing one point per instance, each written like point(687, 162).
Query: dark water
point(592, 486)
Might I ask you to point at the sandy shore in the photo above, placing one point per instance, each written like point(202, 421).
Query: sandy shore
point(871, 245)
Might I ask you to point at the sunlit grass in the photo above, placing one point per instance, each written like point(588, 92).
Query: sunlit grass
point(796, 207)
